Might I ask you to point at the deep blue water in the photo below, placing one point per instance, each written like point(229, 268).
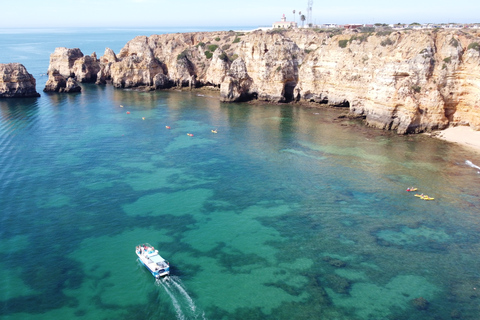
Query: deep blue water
point(285, 213)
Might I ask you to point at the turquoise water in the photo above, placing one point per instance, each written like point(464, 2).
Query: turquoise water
point(285, 213)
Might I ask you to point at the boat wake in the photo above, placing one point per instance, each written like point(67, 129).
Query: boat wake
point(469, 163)
point(183, 304)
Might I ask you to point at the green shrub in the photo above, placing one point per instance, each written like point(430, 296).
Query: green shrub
point(233, 57)
point(342, 43)
point(367, 29)
point(447, 59)
point(225, 47)
point(223, 56)
point(453, 42)
point(387, 42)
point(208, 54)
point(217, 39)
point(361, 38)
point(212, 47)
point(277, 30)
point(237, 39)
point(474, 46)
point(416, 88)
point(383, 33)
point(334, 32)
point(182, 55)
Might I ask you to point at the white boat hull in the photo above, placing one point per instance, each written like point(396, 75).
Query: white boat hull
point(154, 263)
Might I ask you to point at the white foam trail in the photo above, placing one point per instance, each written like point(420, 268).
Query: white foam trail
point(177, 283)
point(469, 163)
point(184, 305)
point(176, 305)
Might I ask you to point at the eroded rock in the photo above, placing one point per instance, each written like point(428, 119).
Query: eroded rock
point(68, 67)
point(16, 82)
point(406, 81)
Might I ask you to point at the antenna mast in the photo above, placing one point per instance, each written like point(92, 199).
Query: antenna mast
point(309, 12)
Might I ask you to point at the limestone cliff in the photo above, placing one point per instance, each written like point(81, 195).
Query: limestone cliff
point(16, 82)
point(67, 66)
point(408, 81)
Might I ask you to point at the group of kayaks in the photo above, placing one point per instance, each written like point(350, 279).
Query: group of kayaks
point(191, 134)
point(421, 196)
point(168, 127)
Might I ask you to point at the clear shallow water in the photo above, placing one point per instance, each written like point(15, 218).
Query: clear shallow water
point(283, 214)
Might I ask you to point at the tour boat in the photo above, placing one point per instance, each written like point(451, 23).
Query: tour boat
point(150, 258)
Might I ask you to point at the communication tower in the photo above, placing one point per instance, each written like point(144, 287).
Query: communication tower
point(309, 12)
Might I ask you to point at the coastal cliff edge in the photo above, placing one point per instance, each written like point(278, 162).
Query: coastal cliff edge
point(410, 81)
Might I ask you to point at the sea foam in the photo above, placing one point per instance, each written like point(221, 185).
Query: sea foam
point(469, 163)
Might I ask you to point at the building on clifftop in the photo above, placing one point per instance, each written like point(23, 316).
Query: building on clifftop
point(284, 23)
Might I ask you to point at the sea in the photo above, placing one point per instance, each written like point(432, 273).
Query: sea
point(281, 212)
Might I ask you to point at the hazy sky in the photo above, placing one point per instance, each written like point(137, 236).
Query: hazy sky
point(148, 13)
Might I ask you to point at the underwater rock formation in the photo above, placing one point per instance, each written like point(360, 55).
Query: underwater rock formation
point(16, 82)
point(338, 284)
point(420, 303)
point(335, 262)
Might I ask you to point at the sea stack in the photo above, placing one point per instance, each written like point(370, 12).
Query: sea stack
point(68, 67)
point(16, 82)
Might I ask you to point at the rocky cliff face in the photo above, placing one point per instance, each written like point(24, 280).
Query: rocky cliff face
point(16, 82)
point(408, 81)
point(405, 81)
point(67, 66)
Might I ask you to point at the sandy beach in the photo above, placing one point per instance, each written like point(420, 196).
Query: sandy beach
point(463, 135)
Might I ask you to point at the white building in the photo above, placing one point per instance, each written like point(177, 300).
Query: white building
point(329, 26)
point(284, 23)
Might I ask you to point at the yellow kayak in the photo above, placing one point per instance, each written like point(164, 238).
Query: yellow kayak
point(424, 197)
point(427, 198)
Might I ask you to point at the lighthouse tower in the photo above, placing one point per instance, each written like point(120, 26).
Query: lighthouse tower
point(284, 23)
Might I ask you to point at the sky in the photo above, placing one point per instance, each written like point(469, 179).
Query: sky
point(255, 13)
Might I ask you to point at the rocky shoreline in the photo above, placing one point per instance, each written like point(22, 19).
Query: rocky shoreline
point(408, 81)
